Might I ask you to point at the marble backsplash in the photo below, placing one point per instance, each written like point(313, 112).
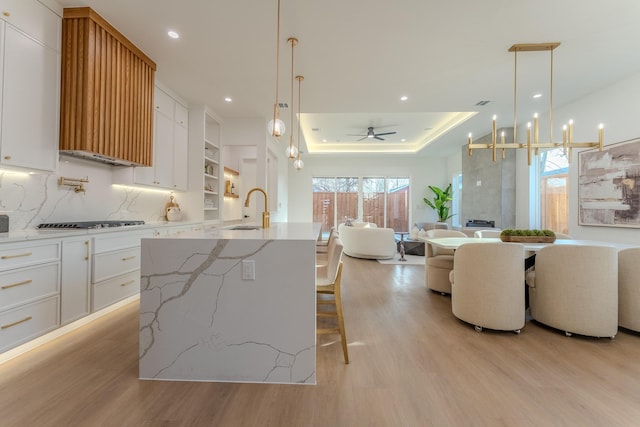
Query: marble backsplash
point(30, 199)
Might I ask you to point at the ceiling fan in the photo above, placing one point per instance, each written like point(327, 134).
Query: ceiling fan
point(371, 134)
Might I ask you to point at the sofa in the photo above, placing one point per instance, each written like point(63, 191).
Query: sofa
point(366, 240)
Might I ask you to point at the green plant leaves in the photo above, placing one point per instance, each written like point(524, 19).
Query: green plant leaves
point(440, 200)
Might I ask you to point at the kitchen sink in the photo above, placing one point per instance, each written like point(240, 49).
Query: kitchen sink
point(246, 227)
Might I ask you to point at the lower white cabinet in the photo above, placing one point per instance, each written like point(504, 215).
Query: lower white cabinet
point(116, 268)
point(28, 321)
point(29, 291)
point(74, 292)
point(113, 290)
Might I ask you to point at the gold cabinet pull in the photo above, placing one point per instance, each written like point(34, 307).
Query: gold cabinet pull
point(16, 256)
point(128, 258)
point(86, 254)
point(13, 285)
point(7, 157)
point(6, 13)
point(26, 319)
point(128, 283)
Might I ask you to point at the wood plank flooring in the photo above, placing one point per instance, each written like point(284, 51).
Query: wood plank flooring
point(412, 364)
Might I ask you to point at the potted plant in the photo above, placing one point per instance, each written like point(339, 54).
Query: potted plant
point(441, 199)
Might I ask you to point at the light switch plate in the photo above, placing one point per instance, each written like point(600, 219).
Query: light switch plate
point(248, 269)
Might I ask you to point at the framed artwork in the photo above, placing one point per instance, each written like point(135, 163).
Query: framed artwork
point(609, 185)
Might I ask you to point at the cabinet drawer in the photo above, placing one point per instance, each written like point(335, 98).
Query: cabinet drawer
point(111, 264)
point(116, 289)
point(27, 284)
point(22, 255)
point(163, 103)
point(28, 321)
point(117, 241)
point(182, 116)
point(33, 18)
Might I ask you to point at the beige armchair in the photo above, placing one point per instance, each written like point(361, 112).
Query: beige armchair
point(574, 288)
point(487, 285)
point(629, 289)
point(439, 262)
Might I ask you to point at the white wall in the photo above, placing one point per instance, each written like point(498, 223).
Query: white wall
point(422, 171)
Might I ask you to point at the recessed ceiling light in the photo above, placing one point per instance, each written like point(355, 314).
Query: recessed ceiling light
point(324, 140)
point(404, 98)
point(173, 35)
point(227, 99)
point(403, 140)
point(537, 95)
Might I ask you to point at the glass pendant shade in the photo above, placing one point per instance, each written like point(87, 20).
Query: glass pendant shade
point(298, 164)
point(291, 152)
point(276, 127)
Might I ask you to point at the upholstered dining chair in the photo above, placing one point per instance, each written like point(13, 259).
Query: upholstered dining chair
point(329, 293)
point(483, 234)
point(322, 245)
point(487, 285)
point(562, 236)
point(629, 289)
point(574, 288)
point(439, 262)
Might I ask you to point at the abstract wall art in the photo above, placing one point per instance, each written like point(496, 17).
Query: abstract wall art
point(609, 185)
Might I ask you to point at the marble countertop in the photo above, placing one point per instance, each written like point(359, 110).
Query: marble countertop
point(277, 231)
point(37, 234)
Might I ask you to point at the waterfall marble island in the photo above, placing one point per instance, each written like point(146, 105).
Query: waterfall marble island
point(233, 305)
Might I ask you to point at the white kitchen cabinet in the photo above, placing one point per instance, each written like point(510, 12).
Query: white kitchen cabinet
point(170, 139)
point(116, 267)
point(75, 268)
point(29, 291)
point(30, 76)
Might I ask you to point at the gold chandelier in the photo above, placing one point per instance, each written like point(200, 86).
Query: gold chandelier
point(567, 130)
point(276, 126)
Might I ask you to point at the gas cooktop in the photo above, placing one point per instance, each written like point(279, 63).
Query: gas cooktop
point(89, 224)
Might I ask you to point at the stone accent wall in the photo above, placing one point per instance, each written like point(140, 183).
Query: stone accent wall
point(489, 188)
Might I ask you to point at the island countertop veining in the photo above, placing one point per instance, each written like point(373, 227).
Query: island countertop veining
point(230, 305)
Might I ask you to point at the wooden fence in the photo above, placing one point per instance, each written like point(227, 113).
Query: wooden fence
point(373, 209)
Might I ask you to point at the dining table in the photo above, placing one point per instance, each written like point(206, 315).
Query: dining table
point(453, 243)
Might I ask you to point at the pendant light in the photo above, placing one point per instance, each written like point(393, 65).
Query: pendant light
point(292, 151)
point(298, 163)
point(276, 126)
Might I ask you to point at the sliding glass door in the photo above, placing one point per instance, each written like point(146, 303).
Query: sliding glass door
point(380, 200)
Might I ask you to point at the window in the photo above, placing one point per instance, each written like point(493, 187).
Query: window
point(456, 184)
point(380, 200)
point(554, 191)
point(398, 204)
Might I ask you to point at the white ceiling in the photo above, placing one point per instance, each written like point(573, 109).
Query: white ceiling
point(358, 57)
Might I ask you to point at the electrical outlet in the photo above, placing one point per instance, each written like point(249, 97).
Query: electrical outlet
point(248, 269)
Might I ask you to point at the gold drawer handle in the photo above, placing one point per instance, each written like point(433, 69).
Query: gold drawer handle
point(7, 157)
point(26, 319)
point(6, 13)
point(86, 254)
point(128, 258)
point(128, 283)
point(26, 282)
point(16, 256)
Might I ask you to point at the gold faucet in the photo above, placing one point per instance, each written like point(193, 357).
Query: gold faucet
point(265, 214)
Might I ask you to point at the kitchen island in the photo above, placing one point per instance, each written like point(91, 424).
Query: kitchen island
point(230, 305)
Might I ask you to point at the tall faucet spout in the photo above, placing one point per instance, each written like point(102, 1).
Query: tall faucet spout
point(265, 214)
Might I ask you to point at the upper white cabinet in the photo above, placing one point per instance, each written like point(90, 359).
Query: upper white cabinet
point(30, 76)
point(170, 140)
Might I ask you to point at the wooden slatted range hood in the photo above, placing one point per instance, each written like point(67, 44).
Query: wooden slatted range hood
point(106, 110)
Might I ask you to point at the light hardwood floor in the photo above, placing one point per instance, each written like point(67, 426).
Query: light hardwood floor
point(412, 364)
